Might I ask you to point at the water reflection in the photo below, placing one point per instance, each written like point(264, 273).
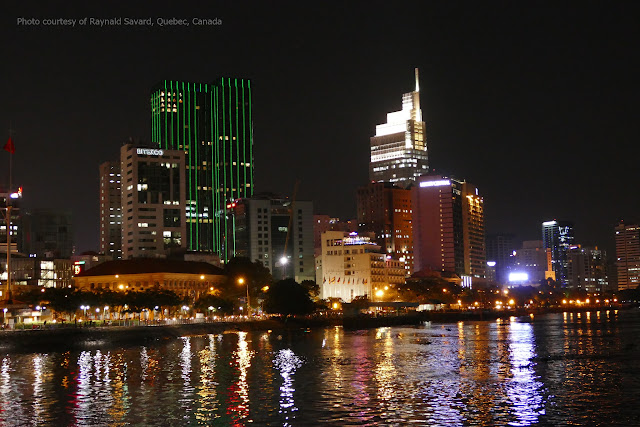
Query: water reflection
point(524, 389)
point(287, 362)
point(547, 370)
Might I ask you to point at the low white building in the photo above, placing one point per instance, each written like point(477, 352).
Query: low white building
point(352, 265)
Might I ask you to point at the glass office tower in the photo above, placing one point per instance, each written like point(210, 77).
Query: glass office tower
point(213, 124)
point(399, 148)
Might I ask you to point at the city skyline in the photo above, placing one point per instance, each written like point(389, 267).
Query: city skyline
point(521, 102)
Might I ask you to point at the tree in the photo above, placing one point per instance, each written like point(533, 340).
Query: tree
point(312, 288)
point(220, 305)
point(254, 275)
point(288, 297)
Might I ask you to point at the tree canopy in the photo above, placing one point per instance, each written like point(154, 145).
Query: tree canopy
point(288, 297)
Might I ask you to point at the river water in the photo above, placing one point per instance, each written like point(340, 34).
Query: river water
point(555, 369)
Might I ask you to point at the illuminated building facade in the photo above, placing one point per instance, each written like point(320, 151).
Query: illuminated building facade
point(628, 255)
point(37, 271)
point(448, 227)
point(153, 201)
point(399, 148)
point(16, 231)
point(587, 269)
point(261, 226)
point(110, 210)
point(212, 124)
point(352, 265)
point(385, 210)
point(558, 236)
point(188, 279)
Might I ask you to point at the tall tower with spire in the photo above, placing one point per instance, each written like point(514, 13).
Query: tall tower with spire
point(399, 148)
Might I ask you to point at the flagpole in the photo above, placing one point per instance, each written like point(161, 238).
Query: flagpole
point(8, 220)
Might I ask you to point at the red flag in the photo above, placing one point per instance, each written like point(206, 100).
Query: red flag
point(9, 146)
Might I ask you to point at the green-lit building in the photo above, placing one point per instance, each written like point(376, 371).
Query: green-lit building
point(213, 124)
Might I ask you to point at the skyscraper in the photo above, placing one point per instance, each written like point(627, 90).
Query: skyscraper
point(385, 210)
point(110, 210)
point(587, 269)
point(47, 233)
point(213, 124)
point(153, 201)
point(276, 232)
point(448, 227)
point(628, 255)
point(558, 237)
point(399, 148)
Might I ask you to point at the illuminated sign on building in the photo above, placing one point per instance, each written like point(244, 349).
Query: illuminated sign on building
point(78, 267)
point(357, 240)
point(150, 151)
point(439, 183)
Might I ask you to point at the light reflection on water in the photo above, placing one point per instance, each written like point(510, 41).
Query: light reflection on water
point(554, 369)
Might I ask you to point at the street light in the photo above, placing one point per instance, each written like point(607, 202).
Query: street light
point(84, 309)
point(241, 282)
point(283, 262)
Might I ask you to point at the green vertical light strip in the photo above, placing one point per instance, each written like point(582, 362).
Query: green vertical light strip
point(216, 203)
point(230, 167)
point(214, 166)
point(237, 148)
point(185, 148)
point(244, 143)
point(223, 224)
point(173, 128)
point(196, 162)
point(166, 120)
point(250, 138)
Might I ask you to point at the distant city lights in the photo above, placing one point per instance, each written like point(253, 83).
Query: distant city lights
point(518, 277)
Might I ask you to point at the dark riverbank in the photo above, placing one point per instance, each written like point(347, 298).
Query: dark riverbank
point(55, 338)
point(62, 338)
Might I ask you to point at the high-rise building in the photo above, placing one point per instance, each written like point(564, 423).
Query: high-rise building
point(47, 234)
point(558, 237)
point(448, 227)
point(399, 148)
point(110, 210)
point(153, 201)
point(276, 232)
point(500, 248)
point(587, 269)
point(14, 200)
point(385, 210)
point(212, 124)
point(353, 265)
point(628, 255)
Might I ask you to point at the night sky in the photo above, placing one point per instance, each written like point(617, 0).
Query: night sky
point(537, 105)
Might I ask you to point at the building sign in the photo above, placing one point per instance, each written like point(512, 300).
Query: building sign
point(78, 267)
point(150, 151)
point(439, 183)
